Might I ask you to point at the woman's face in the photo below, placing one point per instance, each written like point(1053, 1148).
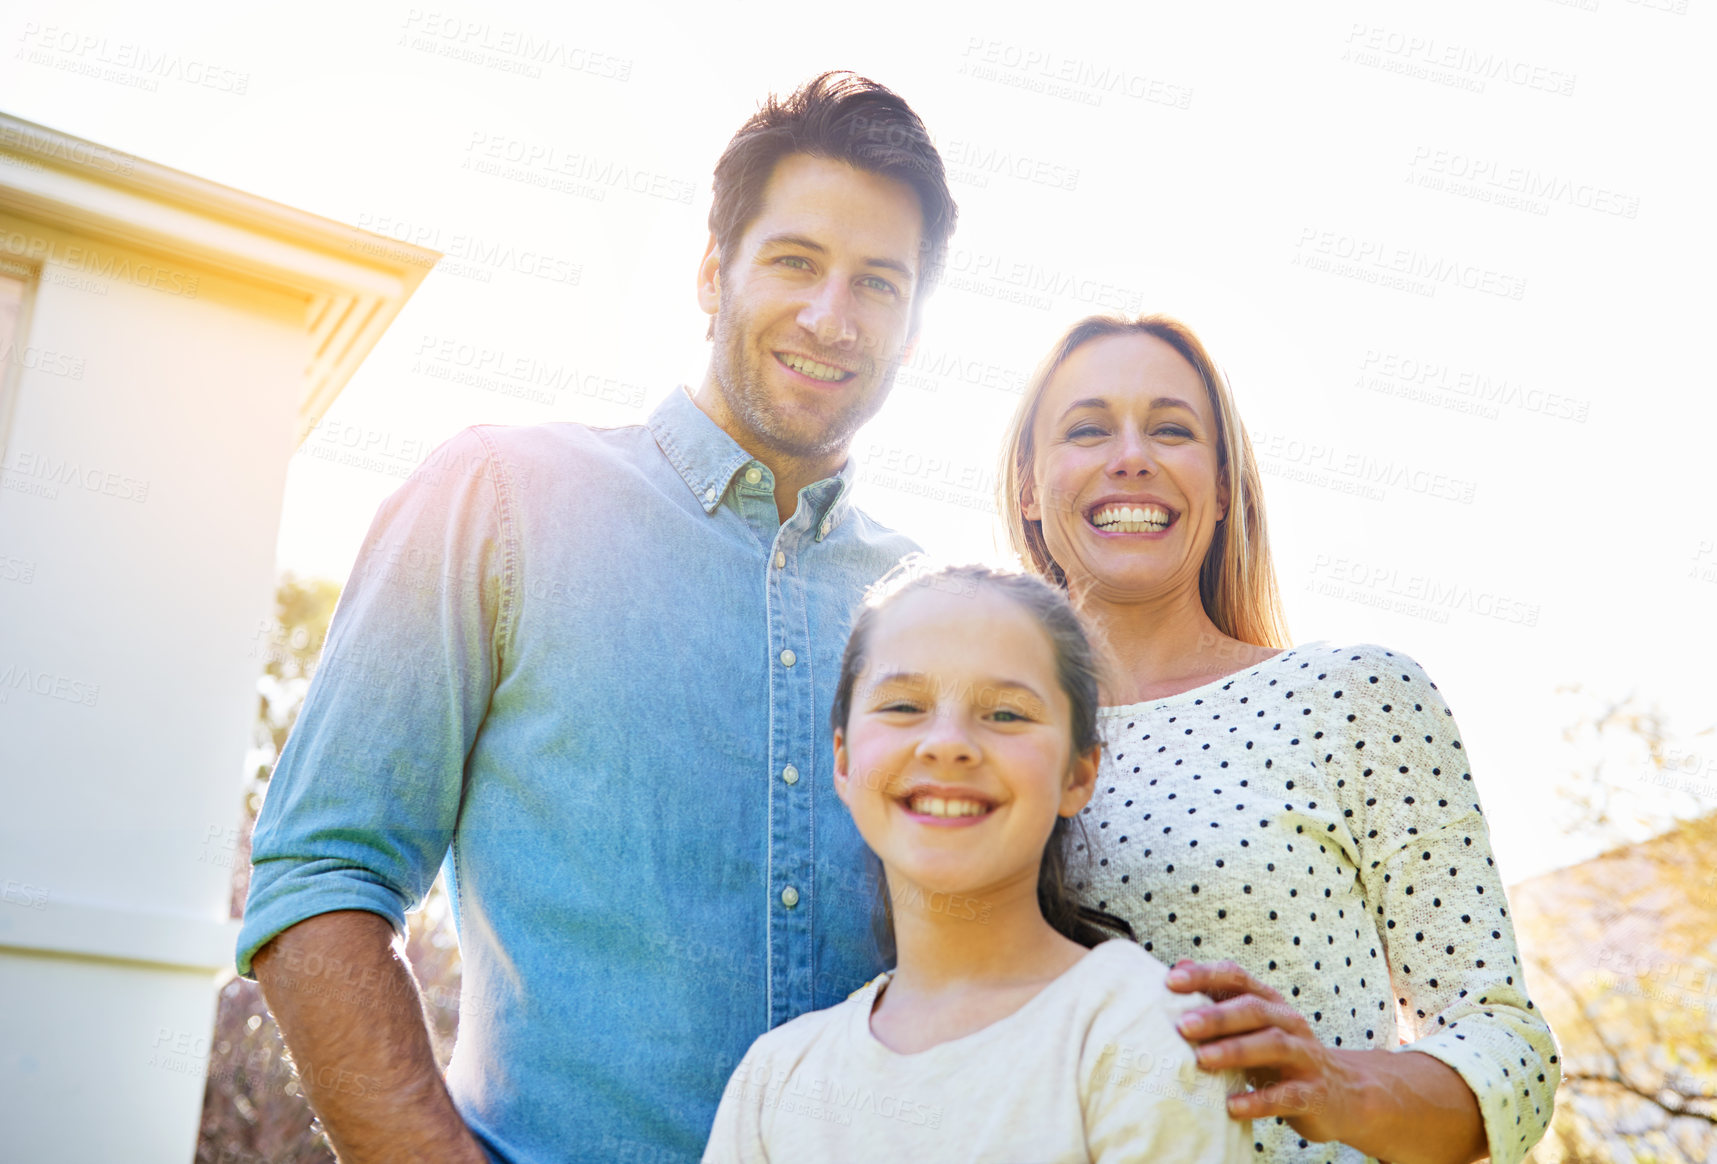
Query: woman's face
point(956, 756)
point(1125, 478)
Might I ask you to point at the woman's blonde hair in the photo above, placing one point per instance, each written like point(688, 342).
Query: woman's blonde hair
point(1237, 582)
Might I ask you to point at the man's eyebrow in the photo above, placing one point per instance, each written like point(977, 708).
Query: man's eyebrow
point(803, 243)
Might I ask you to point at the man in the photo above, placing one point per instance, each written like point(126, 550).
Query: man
point(591, 669)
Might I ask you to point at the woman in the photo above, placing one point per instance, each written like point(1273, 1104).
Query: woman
point(1307, 813)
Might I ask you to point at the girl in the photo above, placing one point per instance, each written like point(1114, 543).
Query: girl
point(1016, 1026)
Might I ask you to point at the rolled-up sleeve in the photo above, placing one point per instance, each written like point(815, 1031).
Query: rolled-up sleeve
point(1439, 904)
point(362, 805)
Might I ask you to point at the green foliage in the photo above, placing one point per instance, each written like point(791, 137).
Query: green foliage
point(253, 1109)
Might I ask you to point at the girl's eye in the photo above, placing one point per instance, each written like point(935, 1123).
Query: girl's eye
point(899, 705)
point(1003, 715)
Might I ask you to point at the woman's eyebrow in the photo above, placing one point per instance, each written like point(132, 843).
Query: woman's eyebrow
point(1088, 402)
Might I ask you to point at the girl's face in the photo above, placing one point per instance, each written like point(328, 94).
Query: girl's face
point(1126, 478)
point(957, 755)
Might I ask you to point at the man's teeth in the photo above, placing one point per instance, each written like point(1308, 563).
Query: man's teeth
point(812, 368)
point(938, 806)
point(1131, 518)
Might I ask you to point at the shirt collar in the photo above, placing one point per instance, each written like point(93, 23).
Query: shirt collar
point(706, 459)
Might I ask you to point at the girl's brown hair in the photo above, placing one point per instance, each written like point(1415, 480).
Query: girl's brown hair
point(1237, 582)
point(1076, 671)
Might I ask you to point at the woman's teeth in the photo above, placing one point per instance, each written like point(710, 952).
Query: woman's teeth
point(812, 368)
point(939, 806)
point(1131, 518)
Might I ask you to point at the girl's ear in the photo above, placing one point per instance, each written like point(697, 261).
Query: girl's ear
point(1081, 781)
point(841, 778)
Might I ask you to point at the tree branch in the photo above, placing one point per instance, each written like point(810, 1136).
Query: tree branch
point(1681, 1109)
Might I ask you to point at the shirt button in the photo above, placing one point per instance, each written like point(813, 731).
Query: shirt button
point(709, 495)
point(789, 897)
point(788, 658)
point(825, 527)
point(790, 774)
point(753, 475)
point(780, 559)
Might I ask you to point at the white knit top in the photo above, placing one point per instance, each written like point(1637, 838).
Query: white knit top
point(1314, 819)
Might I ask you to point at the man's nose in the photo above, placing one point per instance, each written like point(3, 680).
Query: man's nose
point(828, 314)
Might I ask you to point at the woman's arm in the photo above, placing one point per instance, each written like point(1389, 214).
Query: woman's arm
point(1399, 1106)
point(1422, 847)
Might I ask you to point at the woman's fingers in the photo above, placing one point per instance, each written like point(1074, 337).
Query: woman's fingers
point(1249, 1012)
point(1220, 980)
point(1268, 1049)
point(1293, 1099)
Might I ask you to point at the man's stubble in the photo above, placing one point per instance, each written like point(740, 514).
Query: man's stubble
point(739, 375)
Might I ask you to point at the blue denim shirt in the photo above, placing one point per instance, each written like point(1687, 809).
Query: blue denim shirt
point(591, 671)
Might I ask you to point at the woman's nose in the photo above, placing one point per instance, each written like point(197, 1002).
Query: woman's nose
point(1133, 456)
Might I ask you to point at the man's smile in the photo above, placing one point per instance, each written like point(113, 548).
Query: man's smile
point(813, 369)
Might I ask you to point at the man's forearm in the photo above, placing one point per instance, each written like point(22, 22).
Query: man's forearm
point(349, 1010)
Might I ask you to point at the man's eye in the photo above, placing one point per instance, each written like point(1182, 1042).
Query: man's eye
point(883, 285)
point(803, 264)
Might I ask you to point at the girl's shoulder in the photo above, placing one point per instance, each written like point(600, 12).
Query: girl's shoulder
point(1130, 1010)
point(1120, 972)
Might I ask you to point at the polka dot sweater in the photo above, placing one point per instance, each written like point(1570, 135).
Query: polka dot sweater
point(1314, 819)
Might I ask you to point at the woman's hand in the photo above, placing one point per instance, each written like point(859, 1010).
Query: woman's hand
point(1409, 1108)
point(1253, 1028)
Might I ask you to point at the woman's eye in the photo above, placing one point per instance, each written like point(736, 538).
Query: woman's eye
point(1174, 430)
point(1085, 430)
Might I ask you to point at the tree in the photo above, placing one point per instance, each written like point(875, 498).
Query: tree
point(253, 1111)
point(1621, 951)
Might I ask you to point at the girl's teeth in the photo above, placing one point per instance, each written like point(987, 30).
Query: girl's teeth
point(938, 806)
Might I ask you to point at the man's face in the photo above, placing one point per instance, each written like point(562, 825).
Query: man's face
point(813, 306)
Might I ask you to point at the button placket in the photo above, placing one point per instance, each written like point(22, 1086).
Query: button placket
point(791, 805)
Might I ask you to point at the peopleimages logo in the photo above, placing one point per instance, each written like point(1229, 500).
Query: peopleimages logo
point(468, 256)
point(1375, 260)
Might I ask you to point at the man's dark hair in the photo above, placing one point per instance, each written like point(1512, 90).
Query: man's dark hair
point(845, 118)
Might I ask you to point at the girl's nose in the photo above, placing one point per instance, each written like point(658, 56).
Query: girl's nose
point(949, 742)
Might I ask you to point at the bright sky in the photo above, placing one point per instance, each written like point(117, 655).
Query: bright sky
point(1456, 259)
